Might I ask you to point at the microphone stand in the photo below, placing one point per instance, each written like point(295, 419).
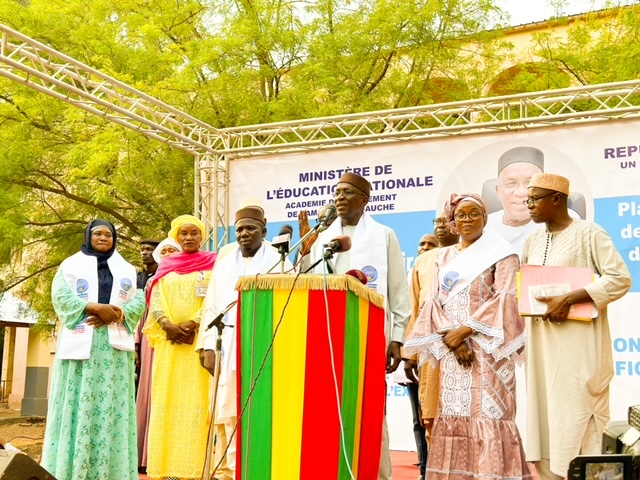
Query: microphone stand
point(328, 255)
point(219, 324)
point(284, 250)
point(314, 230)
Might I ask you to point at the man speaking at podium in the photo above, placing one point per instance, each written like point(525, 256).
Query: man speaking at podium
point(251, 255)
point(375, 250)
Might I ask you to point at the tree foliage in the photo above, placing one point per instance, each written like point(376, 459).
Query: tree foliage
point(241, 62)
point(226, 62)
point(598, 47)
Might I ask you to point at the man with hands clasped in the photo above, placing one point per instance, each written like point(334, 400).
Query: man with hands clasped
point(251, 255)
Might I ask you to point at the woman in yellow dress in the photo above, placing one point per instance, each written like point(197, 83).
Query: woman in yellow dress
point(178, 424)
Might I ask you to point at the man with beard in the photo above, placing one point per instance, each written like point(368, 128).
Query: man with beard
point(569, 363)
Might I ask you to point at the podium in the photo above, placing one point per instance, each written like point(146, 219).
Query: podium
point(314, 409)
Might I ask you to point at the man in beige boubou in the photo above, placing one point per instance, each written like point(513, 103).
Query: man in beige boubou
point(569, 363)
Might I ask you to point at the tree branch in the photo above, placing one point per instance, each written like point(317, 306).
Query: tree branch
point(18, 280)
point(570, 70)
point(370, 86)
point(31, 223)
point(65, 193)
point(41, 126)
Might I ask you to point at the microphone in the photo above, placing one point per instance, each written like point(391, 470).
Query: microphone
point(358, 275)
point(338, 244)
point(330, 215)
point(281, 242)
point(217, 322)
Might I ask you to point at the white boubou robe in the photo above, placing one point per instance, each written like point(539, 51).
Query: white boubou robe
point(370, 252)
point(220, 294)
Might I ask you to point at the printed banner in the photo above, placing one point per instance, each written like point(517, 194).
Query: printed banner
point(412, 180)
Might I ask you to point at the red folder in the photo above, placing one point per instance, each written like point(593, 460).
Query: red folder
point(543, 280)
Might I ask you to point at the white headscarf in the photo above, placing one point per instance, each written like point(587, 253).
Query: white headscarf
point(167, 242)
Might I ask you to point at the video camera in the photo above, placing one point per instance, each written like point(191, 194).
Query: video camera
point(621, 453)
point(601, 467)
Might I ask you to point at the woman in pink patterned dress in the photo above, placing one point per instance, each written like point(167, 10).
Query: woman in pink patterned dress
point(470, 327)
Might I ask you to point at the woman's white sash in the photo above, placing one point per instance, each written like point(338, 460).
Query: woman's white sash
point(81, 274)
point(471, 262)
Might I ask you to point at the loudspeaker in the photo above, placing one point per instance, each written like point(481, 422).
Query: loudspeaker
point(19, 466)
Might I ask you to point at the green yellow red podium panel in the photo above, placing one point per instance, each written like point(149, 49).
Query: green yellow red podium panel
point(313, 407)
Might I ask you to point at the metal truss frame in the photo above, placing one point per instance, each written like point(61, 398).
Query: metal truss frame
point(507, 113)
point(592, 103)
point(28, 62)
point(37, 66)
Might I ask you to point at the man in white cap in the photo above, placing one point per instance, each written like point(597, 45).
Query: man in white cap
point(516, 166)
point(569, 363)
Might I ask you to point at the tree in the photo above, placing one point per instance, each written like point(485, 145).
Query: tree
point(227, 63)
point(599, 47)
point(352, 56)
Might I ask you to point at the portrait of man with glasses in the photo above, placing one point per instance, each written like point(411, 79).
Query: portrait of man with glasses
point(516, 167)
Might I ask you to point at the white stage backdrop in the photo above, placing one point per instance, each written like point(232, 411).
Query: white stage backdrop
point(411, 181)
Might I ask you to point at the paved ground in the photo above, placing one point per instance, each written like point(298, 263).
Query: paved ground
point(27, 434)
point(403, 466)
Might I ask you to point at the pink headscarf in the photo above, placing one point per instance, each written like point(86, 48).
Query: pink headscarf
point(455, 200)
point(183, 263)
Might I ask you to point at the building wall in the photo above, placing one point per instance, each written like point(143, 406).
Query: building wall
point(7, 362)
point(18, 338)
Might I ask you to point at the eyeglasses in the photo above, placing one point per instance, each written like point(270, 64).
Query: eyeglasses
point(463, 216)
point(346, 193)
point(439, 222)
point(531, 201)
